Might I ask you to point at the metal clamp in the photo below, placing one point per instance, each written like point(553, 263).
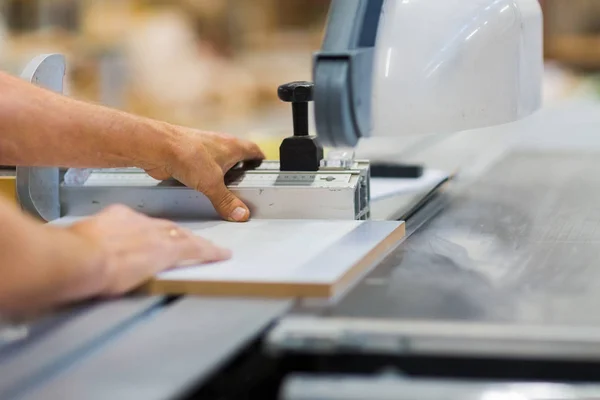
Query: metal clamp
point(38, 187)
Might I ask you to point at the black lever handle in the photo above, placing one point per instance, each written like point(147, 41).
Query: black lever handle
point(300, 152)
point(299, 94)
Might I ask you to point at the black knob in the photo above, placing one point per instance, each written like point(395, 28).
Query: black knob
point(299, 94)
point(300, 152)
point(296, 92)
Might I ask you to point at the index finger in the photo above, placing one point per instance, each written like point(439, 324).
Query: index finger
point(242, 154)
point(250, 151)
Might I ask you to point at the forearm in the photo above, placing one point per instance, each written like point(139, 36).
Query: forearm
point(42, 128)
point(42, 266)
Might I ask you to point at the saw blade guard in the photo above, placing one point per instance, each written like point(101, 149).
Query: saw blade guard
point(416, 67)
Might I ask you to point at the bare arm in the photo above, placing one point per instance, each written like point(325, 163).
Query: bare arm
point(41, 128)
point(44, 266)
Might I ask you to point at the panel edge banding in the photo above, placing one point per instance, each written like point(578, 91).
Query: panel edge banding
point(235, 289)
point(370, 260)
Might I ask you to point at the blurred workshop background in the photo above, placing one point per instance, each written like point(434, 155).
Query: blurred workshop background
point(216, 64)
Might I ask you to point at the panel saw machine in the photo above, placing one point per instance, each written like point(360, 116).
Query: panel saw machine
point(386, 69)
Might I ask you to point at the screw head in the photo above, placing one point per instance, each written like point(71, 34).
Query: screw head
point(296, 92)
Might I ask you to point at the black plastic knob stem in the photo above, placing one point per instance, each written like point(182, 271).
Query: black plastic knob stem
point(300, 152)
point(299, 94)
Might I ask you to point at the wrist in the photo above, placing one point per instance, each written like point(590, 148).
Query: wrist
point(161, 144)
point(83, 264)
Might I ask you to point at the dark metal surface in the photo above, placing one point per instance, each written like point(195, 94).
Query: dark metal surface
point(168, 354)
point(521, 245)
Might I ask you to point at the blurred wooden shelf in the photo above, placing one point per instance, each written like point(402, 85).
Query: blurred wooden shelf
point(582, 51)
point(8, 188)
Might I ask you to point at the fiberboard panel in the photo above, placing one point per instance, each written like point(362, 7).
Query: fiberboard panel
point(284, 258)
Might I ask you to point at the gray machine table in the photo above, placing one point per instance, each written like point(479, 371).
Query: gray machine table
point(517, 244)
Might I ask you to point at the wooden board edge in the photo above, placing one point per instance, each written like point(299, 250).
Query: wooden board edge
point(376, 254)
point(235, 289)
point(276, 289)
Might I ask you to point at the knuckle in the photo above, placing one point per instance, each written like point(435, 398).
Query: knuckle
point(230, 140)
point(200, 149)
point(255, 148)
point(118, 209)
point(210, 184)
point(226, 201)
point(203, 187)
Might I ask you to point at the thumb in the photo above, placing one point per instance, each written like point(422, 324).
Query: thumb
point(228, 205)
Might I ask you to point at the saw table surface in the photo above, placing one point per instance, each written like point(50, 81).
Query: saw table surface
point(513, 242)
point(521, 245)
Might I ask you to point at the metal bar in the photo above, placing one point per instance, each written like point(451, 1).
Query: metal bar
point(169, 354)
point(393, 337)
point(36, 360)
point(394, 387)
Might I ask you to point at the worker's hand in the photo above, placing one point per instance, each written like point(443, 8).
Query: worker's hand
point(201, 160)
point(134, 247)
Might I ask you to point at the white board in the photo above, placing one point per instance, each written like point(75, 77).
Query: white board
point(284, 258)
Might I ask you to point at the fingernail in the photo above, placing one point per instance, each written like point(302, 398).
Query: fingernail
point(238, 214)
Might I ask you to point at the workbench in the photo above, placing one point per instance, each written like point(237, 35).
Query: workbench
point(499, 278)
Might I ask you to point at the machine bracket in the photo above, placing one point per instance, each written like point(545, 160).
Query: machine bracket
point(343, 71)
point(38, 187)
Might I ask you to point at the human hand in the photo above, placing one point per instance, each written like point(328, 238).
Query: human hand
point(201, 159)
point(133, 247)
